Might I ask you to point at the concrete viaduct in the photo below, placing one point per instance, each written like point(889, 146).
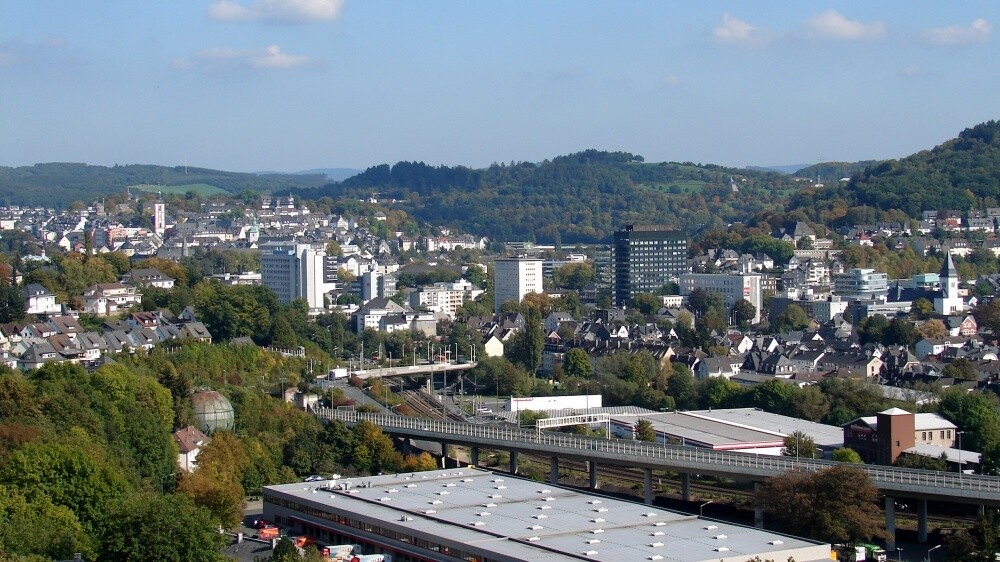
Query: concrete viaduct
point(894, 483)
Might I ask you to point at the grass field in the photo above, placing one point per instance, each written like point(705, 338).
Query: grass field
point(202, 189)
point(685, 186)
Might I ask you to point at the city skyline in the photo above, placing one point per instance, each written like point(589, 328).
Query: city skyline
point(289, 85)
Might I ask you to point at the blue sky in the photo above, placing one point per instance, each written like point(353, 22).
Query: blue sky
point(288, 85)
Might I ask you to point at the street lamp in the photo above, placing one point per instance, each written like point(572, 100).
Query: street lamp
point(929, 551)
point(960, 467)
point(899, 554)
point(701, 508)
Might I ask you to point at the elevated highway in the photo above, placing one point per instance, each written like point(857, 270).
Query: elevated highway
point(921, 485)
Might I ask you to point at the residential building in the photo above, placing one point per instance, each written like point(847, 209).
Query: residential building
point(647, 257)
point(190, 441)
point(106, 299)
point(151, 277)
point(733, 288)
point(38, 300)
point(444, 298)
point(882, 438)
point(515, 277)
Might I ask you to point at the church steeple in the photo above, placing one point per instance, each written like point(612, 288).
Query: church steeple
point(949, 277)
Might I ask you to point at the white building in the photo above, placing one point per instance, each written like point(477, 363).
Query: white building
point(861, 284)
point(513, 278)
point(159, 217)
point(39, 300)
point(444, 298)
point(732, 288)
point(295, 271)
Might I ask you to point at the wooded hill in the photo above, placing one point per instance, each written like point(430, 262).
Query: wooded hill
point(962, 173)
point(581, 197)
point(57, 184)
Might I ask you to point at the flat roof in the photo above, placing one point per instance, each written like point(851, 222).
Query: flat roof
point(521, 519)
point(822, 434)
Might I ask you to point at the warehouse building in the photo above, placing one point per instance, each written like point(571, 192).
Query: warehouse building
point(478, 516)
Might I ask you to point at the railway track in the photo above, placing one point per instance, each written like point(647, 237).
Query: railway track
point(424, 407)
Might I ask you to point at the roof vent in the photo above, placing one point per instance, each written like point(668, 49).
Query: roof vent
point(722, 549)
point(590, 553)
point(429, 512)
point(496, 496)
point(776, 542)
point(657, 534)
point(391, 491)
point(484, 513)
point(656, 544)
point(477, 523)
point(711, 527)
point(548, 499)
point(498, 480)
point(650, 514)
point(656, 557)
point(545, 507)
point(593, 541)
point(597, 520)
point(595, 502)
point(533, 539)
point(545, 491)
point(385, 499)
point(435, 502)
point(449, 485)
point(601, 509)
point(501, 487)
point(489, 505)
point(597, 531)
point(467, 480)
point(540, 516)
point(536, 527)
point(660, 524)
point(411, 485)
point(720, 537)
point(443, 493)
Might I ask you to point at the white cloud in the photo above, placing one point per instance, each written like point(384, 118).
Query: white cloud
point(737, 31)
point(269, 58)
point(276, 11)
point(18, 52)
point(671, 80)
point(978, 31)
point(831, 25)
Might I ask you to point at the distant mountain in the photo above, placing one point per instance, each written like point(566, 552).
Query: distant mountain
point(788, 169)
point(57, 184)
point(961, 174)
point(332, 174)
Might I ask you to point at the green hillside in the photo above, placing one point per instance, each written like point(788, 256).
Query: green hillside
point(202, 189)
point(57, 184)
point(962, 173)
point(581, 197)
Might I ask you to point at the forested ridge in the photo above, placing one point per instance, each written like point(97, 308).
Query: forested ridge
point(56, 184)
point(962, 173)
point(581, 197)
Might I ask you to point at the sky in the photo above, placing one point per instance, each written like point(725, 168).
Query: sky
point(289, 85)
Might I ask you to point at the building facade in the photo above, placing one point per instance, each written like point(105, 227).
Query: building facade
point(732, 288)
point(647, 257)
point(513, 278)
point(861, 284)
point(295, 271)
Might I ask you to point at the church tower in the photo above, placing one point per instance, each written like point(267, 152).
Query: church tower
point(950, 301)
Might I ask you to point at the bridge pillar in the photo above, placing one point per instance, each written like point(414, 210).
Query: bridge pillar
point(406, 446)
point(686, 486)
point(758, 510)
point(554, 471)
point(890, 523)
point(647, 486)
point(922, 520)
point(444, 454)
point(513, 462)
point(593, 474)
point(474, 456)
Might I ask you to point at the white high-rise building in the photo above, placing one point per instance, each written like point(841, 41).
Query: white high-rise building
point(513, 278)
point(295, 271)
point(159, 217)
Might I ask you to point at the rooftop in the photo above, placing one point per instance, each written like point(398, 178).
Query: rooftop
point(527, 520)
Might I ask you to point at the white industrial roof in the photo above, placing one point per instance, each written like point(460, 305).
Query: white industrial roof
point(527, 520)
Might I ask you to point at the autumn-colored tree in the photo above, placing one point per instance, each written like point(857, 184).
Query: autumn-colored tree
point(837, 505)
